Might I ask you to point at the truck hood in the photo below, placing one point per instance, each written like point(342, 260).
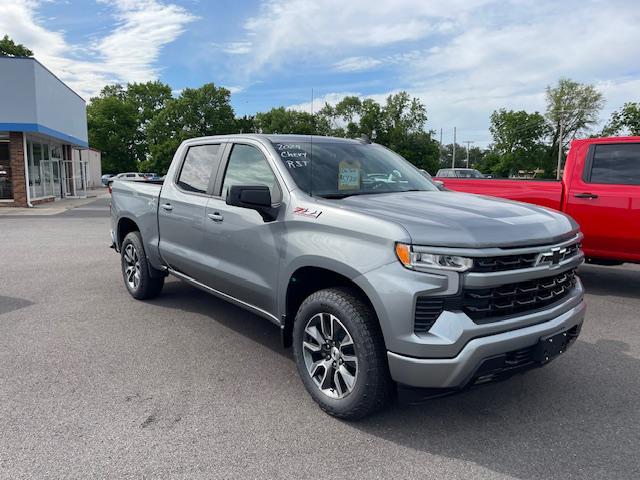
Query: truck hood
point(456, 219)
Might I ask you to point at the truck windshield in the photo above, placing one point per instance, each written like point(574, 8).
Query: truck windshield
point(338, 170)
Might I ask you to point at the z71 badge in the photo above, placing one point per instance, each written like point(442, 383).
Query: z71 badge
point(305, 212)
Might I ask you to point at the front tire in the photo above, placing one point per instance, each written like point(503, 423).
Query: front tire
point(340, 354)
point(136, 271)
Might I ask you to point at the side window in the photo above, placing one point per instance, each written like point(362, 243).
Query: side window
point(616, 164)
point(199, 164)
point(247, 166)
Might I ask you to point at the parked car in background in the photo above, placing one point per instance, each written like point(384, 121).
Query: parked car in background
point(460, 173)
point(133, 177)
point(105, 179)
point(372, 274)
point(600, 189)
point(428, 176)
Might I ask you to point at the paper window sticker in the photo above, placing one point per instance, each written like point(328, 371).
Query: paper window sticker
point(348, 176)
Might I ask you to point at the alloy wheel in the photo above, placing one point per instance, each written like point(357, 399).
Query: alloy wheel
point(330, 355)
point(132, 266)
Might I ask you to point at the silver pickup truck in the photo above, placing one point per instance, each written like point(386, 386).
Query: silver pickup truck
point(373, 274)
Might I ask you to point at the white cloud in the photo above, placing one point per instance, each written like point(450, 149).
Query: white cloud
point(360, 64)
point(128, 54)
point(462, 59)
point(316, 29)
point(237, 48)
point(356, 64)
point(318, 102)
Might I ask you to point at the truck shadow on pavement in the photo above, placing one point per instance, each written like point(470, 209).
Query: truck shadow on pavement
point(9, 304)
point(576, 418)
point(616, 281)
point(180, 296)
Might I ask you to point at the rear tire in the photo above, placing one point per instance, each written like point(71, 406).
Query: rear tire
point(340, 354)
point(136, 270)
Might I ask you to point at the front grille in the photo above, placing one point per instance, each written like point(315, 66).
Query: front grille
point(512, 262)
point(428, 309)
point(501, 366)
point(482, 305)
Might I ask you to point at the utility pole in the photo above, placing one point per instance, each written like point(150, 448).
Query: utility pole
point(468, 142)
point(560, 144)
point(440, 148)
point(453, 160)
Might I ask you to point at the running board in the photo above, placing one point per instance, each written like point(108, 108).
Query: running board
point(224, 296)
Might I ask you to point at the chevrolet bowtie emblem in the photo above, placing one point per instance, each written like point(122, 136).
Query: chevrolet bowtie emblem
point(552, 257)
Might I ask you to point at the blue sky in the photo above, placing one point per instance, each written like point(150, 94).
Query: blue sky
point(462, 58)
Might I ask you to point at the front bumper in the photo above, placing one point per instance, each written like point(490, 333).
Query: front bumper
point(459, 371)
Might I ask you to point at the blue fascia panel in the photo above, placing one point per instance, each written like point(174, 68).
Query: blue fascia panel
point(36, 127)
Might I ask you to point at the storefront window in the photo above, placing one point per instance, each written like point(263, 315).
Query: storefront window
point(44, 169)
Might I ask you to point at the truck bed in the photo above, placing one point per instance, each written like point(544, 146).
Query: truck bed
point(547, 193)
point(138, 200)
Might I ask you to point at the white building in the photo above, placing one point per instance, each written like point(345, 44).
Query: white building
point(44, 153)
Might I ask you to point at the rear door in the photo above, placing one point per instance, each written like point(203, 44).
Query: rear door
point(181, 213)
point(605, 201)
point(243, 249)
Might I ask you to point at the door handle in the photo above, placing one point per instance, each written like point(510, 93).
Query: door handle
point(585, 195)
point(216, 217)
point(167, 206)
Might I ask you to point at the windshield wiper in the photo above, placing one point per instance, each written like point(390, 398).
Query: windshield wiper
point(333, 196)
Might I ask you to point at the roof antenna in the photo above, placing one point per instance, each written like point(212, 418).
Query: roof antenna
point(364, 138)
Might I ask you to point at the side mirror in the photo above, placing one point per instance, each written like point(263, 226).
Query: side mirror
point(253, 197)
point(439, 184)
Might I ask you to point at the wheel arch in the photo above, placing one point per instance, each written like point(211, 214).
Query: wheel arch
point(125, 226)
point(307, 279)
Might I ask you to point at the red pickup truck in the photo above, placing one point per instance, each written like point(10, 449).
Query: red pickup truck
point(600, 189)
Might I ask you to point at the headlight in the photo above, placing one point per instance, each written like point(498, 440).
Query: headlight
point(422, 260)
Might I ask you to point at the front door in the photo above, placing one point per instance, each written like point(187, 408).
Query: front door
point(605, 201)
point(241, 247)
point(56, 174)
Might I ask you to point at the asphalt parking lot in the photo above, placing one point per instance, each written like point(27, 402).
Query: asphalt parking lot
point(94, 384)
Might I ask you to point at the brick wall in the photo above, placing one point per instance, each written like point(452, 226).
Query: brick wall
point(16, 159)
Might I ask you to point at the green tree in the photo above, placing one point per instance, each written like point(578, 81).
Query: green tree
point(246, 124)
point(282, 120)
point(519, 142)
point(11, 49)
point(196, 112)
point(398, 124)
point(112, 125)
point(118, 119)
point(446, 156)
point(624, 121)
point(575, 106)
